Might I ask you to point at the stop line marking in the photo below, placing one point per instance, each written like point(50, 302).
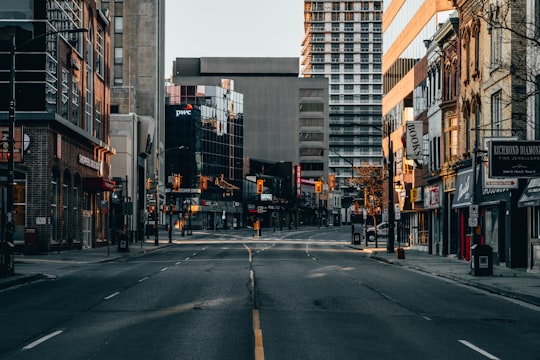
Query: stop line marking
point(478, 350)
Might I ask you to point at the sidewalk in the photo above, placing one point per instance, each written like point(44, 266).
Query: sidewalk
point(514, 283)
point(86, 256)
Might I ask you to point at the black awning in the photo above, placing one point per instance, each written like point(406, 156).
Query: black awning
point(531, 194)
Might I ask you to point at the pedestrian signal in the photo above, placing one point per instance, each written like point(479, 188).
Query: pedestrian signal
point(260, 186)
point(318, 186)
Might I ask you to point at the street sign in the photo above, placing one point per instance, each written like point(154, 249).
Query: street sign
point(473, 210)
point(517, 159)
point(397, 212)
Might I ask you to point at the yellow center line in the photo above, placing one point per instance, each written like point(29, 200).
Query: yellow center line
point(257, 332)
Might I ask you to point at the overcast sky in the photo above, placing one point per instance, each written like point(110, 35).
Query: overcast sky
point(206, 28)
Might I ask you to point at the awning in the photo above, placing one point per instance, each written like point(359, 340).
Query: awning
point(531, 194)
point(98, 184)
point(464, 189)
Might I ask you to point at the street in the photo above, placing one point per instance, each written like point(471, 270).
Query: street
point(300, 294)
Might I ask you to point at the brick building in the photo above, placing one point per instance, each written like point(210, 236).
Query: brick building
point(62, 154)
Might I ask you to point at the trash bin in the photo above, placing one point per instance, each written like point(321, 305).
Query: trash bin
point(481, 260)
point(30, 241)
point(357, 239)
point(123, 241)
point(6, 259)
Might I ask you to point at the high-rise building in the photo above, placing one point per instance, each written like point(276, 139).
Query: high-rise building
point(343, 42)
point(137, 102)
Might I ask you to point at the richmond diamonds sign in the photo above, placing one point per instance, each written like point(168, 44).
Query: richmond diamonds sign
point(519, 159)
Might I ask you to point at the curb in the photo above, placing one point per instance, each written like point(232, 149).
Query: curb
point(20, 279)
point(534, 300)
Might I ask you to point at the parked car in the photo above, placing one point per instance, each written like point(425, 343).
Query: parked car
point(382, 230)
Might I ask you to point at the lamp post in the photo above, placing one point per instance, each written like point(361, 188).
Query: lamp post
point(10, 213)
point(391, 233)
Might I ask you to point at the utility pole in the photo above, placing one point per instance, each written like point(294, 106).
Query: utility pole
point(390, 242)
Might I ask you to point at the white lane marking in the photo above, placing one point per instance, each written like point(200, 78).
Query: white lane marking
point(186, 259)
point(178, 263)
point(43, 339)
point(112, 295)
point(144, 278)
point(478, 350)
point(426, 318)
point(164, 269)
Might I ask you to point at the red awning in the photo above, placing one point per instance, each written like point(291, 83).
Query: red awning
point(98, 184)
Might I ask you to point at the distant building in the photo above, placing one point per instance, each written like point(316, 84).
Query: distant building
point(343, 43)
point(62, 180)
point(204, 136)
point(285, 117)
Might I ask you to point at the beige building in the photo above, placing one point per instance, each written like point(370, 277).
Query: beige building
point(492, 105)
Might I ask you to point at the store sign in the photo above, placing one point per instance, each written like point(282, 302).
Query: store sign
point(298, 174)
point(431, 197)
point(520, 159)
point(414, 140)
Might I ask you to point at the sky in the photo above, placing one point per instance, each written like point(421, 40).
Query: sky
point(243, 28)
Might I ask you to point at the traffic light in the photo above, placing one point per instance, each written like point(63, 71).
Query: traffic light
point(332, 181)
point(260, 186)
point(204, 183)
point(177, 182)
point(318, 186)
point(148, 184)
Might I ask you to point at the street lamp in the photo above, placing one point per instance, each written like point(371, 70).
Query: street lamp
point(10, 216)
point(156, 239)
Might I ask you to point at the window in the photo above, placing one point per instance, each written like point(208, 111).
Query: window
point(496, 39)
point(75, 102)
point(54, 207)
point(100, 53)
point(496, 113)
point(118, 55)
point(98, 118)
point(450, 139)
point(118, 24)
point(64, 107)
point(65, 206)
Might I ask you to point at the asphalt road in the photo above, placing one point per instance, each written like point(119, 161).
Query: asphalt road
point(290, 295)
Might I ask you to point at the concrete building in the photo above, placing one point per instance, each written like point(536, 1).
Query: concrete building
point(137, 105)
point(285, 117)
point(343, 43)
point(62, 153)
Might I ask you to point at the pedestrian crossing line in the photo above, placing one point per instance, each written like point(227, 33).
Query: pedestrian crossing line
point(478, 350)
point(112, 295)
point(42, 339)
